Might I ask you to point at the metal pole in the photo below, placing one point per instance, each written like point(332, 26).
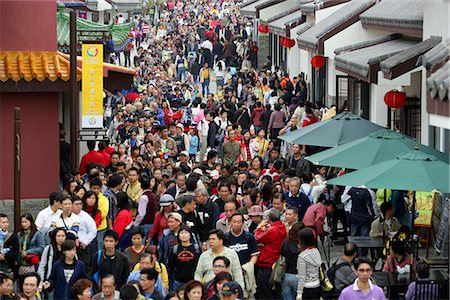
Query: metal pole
point(74, 115)
point(17, 123)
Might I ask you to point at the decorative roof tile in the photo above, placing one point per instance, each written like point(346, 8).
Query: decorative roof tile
point(34, 65)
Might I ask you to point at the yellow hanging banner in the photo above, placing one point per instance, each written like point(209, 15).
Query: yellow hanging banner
point(92, 86)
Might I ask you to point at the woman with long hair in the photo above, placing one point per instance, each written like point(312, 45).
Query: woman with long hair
point(123, 221)
point(90, 205)
point(168, 113)
point(52, 253)
point(31, 245)
point(308, 264)
point(183, 259)
point(290, 248)
point(65, 272)
point(124, 157)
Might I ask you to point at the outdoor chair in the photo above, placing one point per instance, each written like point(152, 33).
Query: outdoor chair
point(426, 290)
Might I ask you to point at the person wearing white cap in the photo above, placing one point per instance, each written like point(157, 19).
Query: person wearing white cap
point(161, 218)
point(169, 237)
point(184, 161)
point(184, 136)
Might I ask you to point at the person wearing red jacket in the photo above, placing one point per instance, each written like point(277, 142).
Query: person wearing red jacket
point(91, 156)
point(269, 235)
point(123, 221)
point(315, 216)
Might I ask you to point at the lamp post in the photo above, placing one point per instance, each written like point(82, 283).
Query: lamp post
point(17, 123)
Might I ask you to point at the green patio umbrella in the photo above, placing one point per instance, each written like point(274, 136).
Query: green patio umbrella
point(340, 129)
point(379, 146)
point(414, 170)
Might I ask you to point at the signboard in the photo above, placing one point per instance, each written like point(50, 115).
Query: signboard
point(92, 86)
point(425, 207)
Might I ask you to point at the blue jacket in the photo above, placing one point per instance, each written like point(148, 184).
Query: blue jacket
point(165, 246)
point(58, 280)
point(301, 202)
point(36, 245)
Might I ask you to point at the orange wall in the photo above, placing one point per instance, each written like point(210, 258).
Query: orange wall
point(28, 25)
point(39, 144)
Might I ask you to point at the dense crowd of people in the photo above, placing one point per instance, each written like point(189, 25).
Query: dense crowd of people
point(192, 195)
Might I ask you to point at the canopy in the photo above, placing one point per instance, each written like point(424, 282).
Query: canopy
point(340, 129)
point(379, 146)
point(414, 170)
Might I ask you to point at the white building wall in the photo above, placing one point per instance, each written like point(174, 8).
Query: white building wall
point(351, 35)
point(436, 22)
point(379, 109)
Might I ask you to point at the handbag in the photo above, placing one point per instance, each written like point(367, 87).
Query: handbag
point(23, 270)
point(278, 270)
point(324, 280)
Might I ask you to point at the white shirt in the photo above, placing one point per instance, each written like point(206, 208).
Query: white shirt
point(346, 200)
point(88, 228)
point(207, 45)
point(203, 127)
point(45, 217)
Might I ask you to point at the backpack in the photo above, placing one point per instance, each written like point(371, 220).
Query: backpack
point(331, 273)
point(311, 200)
point(196, 246)
point(304, 166)
point(220, 134)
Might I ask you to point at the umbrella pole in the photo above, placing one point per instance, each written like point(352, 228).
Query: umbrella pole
point(412, 223)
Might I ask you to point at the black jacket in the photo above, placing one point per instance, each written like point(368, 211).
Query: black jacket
point(208, 215)
point(116, 265)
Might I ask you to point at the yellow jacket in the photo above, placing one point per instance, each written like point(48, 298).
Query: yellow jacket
point(162, 271)
point(103, 207)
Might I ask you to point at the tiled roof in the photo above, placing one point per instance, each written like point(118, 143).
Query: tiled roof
point(359, 61)
point(310, 38)
point(120, 32)
point(278, 26)
point(438, 83)
point(412, 53)
point(250, 10)
point(395, 13)
point(34, 65)
point(310, 6)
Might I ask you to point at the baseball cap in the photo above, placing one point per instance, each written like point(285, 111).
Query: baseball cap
point(166, 200)
point(184, 153)
point(176, 216)
point(230, 288)
point(255, 210)
point(167, 173)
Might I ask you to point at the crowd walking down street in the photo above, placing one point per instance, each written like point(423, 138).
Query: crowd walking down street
point(194, 194)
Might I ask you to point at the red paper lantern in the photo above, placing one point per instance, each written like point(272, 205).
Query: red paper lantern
point(263, 28)
point(286, 42)
point(318, 61)
point(395, 99)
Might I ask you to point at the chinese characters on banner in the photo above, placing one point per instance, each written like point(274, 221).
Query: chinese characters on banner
point(92, 86)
